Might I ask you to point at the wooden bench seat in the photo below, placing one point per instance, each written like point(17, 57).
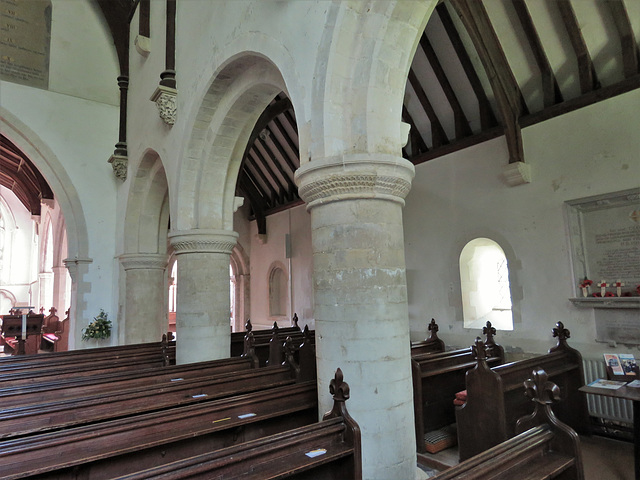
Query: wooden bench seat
point(30, 419)
point(437, 377)
point(494, 401)
point(62, 389)
point(83, 355)
point(110, 449)
point(544, 448)
point(288, 454)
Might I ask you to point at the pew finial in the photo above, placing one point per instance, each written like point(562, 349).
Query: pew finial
point(433, 327)
point(540, 389)
point(248, 326)
point(250, 349)
point(294, 320)
point(478, 349)
point(275, 327)
point(338, 388)
point(561, 332)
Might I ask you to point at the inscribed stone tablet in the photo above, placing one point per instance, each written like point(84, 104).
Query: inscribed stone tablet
point(25, 37)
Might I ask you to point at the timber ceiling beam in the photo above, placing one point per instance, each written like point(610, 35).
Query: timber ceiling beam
point(438, 135)
point(627, 37)
point(487, 117)
point(505, 88)
point(461, 123)
point(550, 90)
point(586, 71)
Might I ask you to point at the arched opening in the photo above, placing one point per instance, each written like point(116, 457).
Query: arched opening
point(486, 292)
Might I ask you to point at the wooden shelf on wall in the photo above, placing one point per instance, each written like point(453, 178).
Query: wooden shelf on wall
point(606, 302)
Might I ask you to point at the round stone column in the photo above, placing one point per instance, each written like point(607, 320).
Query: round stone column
point(360, 293)
point(145, 317)
point(203, 304)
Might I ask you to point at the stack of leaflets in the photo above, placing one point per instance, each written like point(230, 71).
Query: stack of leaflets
point(621, 363)
point(610, 384)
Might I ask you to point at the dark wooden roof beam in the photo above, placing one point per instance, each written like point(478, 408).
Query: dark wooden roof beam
point(291, 143)
point(252, 166)
point(292, 189)
point(438, 135)
point(272, 142)
point(586, 71)
point(550, 89)
point(461, 123)
point(627, 37)
point(487, 117)
point(505, 88)
point(262, 161)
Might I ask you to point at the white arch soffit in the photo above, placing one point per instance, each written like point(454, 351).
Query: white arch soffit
point(55, 174)
point(145, 206)
point(237, 96)
point(356, 119)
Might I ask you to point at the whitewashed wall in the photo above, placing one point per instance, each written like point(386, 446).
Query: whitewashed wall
point(462, 196)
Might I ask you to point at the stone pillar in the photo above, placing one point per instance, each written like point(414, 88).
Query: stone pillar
point(203, 306)
point(145, 317)
point(78, 268)
point(361, 314)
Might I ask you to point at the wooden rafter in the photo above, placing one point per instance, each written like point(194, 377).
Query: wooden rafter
point(438, 135)
point(487, 117)
point(505, 88)
point(627, 37)
point(461, 123)
point(550, 90)
point(586, 71)
point(253, 167)
point(279, 148)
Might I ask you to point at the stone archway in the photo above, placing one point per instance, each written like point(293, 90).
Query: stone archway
point(145, 259)
point(202, 235)
point(45, 160)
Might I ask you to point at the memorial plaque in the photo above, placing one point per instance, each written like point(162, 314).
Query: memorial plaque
point(605, 239)
point(25, 38)
point(621, 326)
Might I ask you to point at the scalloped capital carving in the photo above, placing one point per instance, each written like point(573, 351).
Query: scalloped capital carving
point(203, 241)
point(146, 261)
point(353, 177)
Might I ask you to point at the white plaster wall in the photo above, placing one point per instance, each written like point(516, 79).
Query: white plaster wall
point(295, 221)
point(80, 36)
point(461, 196)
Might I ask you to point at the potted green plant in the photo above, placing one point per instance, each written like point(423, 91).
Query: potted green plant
point(100, 328)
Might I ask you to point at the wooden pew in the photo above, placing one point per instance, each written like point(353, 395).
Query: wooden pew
point(494, 401)
point(289, 454)
point(437, 377)
point(431, 344)
point(87, 356)
point(544, 448)
point(261, 336)
point(110, 449)
point(114, 402)
point(156, 356)
point(83, 386)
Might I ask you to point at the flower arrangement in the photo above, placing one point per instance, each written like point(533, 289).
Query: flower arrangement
point(100, 327)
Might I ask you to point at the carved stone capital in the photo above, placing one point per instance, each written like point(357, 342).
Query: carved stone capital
point(165, 99)
point(120, 164)
point(146, 261)
point(355, 177)
point(73, 265)
point(203, 241)
point(517, 173)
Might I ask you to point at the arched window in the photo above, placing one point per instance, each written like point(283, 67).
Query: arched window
point(486, 293)
point(277, 292)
